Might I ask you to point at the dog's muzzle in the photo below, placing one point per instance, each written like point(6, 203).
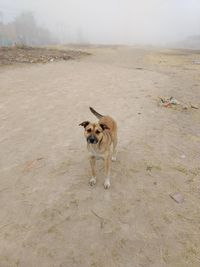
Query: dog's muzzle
point(92, 139)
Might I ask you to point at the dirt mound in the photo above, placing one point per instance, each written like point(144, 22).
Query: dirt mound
point(26, 54)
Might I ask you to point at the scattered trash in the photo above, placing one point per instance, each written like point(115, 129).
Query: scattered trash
point(196, 62)
point(174, 103)
point(178, 197)
point(30, 55)
point(168, 102)
point(183, 156)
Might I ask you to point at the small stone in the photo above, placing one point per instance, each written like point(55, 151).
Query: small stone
point(177, 197)
point(196, 62)
point(194, 106)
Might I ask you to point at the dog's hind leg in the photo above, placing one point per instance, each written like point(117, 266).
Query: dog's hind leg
point(93, 180)
point(114, 152)
point(107, 164)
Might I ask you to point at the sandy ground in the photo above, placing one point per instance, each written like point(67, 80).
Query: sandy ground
point(49, 215)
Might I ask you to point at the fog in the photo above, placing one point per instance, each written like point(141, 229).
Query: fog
point(151, 22)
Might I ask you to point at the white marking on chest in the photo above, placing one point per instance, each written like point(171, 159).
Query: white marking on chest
point(94, 151)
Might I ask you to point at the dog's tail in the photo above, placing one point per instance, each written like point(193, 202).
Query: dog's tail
point(96, 113)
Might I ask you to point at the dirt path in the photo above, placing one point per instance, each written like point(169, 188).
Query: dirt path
point(49, 216)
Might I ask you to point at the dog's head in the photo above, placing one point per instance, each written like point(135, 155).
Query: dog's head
point(93, 131)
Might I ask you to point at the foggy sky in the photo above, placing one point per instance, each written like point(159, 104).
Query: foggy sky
point(113, 21)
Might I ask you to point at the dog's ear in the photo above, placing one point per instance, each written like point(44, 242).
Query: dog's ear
point(104, 126)
point(84, 123)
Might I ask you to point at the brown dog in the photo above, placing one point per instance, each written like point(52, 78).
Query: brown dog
point(101, 137)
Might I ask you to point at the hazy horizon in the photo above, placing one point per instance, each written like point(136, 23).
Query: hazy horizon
point(155, 22)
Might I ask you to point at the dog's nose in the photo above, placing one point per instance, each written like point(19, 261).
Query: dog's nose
point(92, 139)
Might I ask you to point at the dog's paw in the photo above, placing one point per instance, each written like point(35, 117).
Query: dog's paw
point(107, 184)
point(113, 158)
point(92, 181)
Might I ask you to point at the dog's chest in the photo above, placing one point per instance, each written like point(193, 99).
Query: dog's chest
point(94, 151)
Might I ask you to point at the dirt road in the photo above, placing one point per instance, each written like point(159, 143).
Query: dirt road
point(49, 215)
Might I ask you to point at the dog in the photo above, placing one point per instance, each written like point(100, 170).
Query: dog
point(101, 140)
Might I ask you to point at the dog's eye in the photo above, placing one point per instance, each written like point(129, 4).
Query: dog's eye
point(89, 130)
point(97, 132)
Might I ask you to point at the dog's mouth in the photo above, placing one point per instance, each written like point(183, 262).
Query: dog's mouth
point(92, 139)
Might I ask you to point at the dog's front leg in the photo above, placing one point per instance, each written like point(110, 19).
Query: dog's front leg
point(93, 180)
point(107, 163)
